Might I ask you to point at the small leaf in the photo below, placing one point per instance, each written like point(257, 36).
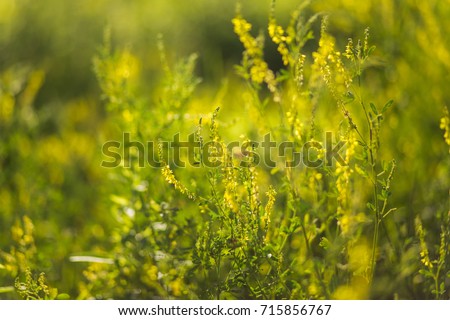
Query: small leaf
point(62, 296)
point(349, 97)
point(374, 109)
point(362, 144)
point(362, 172)
point(284, 75)
point(274, 170)
point(426, 273)
point(387, 105)
point(371, 49)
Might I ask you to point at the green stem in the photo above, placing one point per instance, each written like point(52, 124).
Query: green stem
point(436, 281)
point(375, 186)
point(377, 218)
point(316, 269)
point(374, 250)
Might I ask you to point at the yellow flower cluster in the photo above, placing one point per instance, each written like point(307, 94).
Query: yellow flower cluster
point(242, 28)
point(253, 196)
point(271, 193)
point(366, 42)
point(328, 63)
point(343, 173)
point(127, 66)
point(258, 71)
point(360, 52)
point(32, 289)
point(445, 125)
point(170, 178)
point(253, 62)
point(349, 49)
point(424, 254)
point(230, 194)
point(279, 37)
point(299, 70)
point(151, 273)
point(314, 179)
point(294, 122)
point(24, 250)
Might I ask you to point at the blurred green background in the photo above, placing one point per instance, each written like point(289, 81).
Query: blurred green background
point(53, 121)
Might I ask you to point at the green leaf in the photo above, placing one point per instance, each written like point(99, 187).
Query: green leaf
point(349, 97)
point(362, 144)
point(284, 75)
point(62, 296)
point(362, 172)
point(371, 49)
point(374, 109)
point(442, 287)
point(274, 170)
point(426, 273)
point(387, 105)
point(370, 206)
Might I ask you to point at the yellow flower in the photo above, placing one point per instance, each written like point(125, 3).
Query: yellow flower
point(445, 125)
point(277, 34)
point(343, 173)
point(270, 202)
point(258, 71)
point(170, 178)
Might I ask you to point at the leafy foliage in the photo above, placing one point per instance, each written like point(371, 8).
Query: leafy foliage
point(373, 223)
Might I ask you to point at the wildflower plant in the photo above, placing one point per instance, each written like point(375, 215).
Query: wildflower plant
point(299, 232)
point(292, 175)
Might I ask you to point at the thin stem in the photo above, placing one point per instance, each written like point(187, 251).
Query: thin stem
point(316, 269)
point(375, 185)
point(374, 249)
point(436, 280)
